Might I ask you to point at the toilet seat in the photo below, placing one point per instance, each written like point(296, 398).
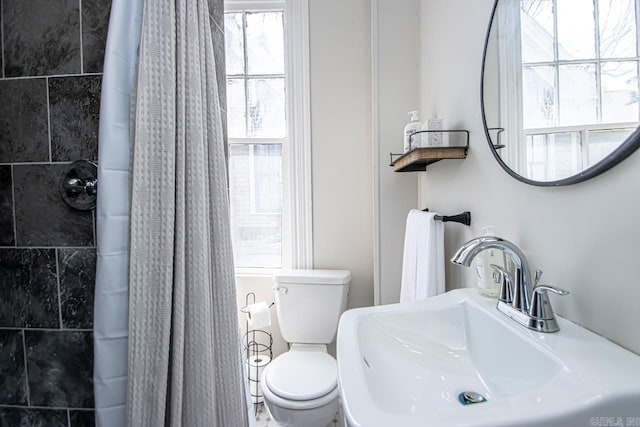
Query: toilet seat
point(299, 405)
point(301, 380)
point(303, 375)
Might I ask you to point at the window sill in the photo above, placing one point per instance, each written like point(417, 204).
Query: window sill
point(257, 272)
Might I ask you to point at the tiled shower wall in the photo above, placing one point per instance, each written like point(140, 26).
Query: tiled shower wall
point(52, 54)
point(51, 70)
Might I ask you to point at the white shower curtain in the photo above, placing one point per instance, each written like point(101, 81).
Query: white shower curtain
point(112, 276)
point(184, 364)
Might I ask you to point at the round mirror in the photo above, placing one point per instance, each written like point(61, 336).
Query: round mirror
point(560, 87)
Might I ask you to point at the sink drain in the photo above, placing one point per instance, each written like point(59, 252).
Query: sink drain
point(471, 397)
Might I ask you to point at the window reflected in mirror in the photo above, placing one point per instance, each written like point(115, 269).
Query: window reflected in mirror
point(561, 83)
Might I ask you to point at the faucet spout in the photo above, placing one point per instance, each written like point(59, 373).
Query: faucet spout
point(522, 277)
point(537, 315)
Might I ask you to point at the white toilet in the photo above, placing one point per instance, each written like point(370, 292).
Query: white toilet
point(300, 387)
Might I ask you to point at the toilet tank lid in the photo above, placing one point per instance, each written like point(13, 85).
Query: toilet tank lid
point(329, 277)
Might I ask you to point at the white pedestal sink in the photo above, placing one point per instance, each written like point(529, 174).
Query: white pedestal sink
point(407, 365)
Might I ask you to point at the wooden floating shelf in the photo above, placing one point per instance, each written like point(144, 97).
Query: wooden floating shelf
point(418, 159)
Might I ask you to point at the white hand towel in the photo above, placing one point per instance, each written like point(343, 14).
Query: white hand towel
point(423, 259)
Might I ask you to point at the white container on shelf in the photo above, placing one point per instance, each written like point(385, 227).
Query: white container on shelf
point(436, 139)
point(412, 127)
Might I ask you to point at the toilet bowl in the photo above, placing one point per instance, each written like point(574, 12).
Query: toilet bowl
point(300, 387)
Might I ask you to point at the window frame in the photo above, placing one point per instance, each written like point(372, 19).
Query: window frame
point(597, 61)
point(513, 71)
point(297, 236)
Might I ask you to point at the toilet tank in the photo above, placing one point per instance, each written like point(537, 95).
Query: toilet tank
point(309, 304)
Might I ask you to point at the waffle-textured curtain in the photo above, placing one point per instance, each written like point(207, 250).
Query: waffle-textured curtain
point(184, 362)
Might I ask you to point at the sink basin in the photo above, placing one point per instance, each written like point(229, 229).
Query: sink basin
point(408, 364)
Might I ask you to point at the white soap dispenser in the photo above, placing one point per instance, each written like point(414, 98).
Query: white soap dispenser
point(412, 127)
point(484, 274)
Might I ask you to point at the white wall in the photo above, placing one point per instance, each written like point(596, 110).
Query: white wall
point(340, 34)
point(396, 91)
point(584, 237)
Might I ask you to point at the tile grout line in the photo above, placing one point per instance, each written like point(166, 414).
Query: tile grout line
point(48, 117)
point(52, 76)
point(59, 295)
point(81, 47)
point(35, 163)
point(32, 329)
point(47, 247)
point(13, 205)
point(26, 368)
point(55, 408)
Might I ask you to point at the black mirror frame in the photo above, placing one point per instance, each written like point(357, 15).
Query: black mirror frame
point(624, 150)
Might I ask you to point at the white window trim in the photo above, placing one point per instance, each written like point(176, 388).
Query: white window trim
point(510, 93)
point(297, 213)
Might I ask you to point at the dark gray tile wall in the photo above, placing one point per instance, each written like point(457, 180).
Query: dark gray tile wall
point(29, 417)
point(49, 111)
point(95, 16)
point(13, 376)
point(81, 419)
point(24, 128)
point(50, 81)
point(41, 37)
point(28, 289)
point(76, 269)
point(74, 107)
point(6, 207)
point(1, 44)
point(36, 193)
point(64, 381)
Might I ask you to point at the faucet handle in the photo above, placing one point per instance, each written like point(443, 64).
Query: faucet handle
point(537, 277)
point(540, 304)
point(506, 283)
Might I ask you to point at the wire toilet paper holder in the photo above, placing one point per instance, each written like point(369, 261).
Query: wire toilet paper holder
point(257, 343)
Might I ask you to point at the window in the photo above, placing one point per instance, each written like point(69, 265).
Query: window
point(267, 143)
point(580, 80)
point(574, 72)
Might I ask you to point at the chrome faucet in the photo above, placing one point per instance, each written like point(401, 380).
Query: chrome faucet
point(524, 302)
point(522, 277)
